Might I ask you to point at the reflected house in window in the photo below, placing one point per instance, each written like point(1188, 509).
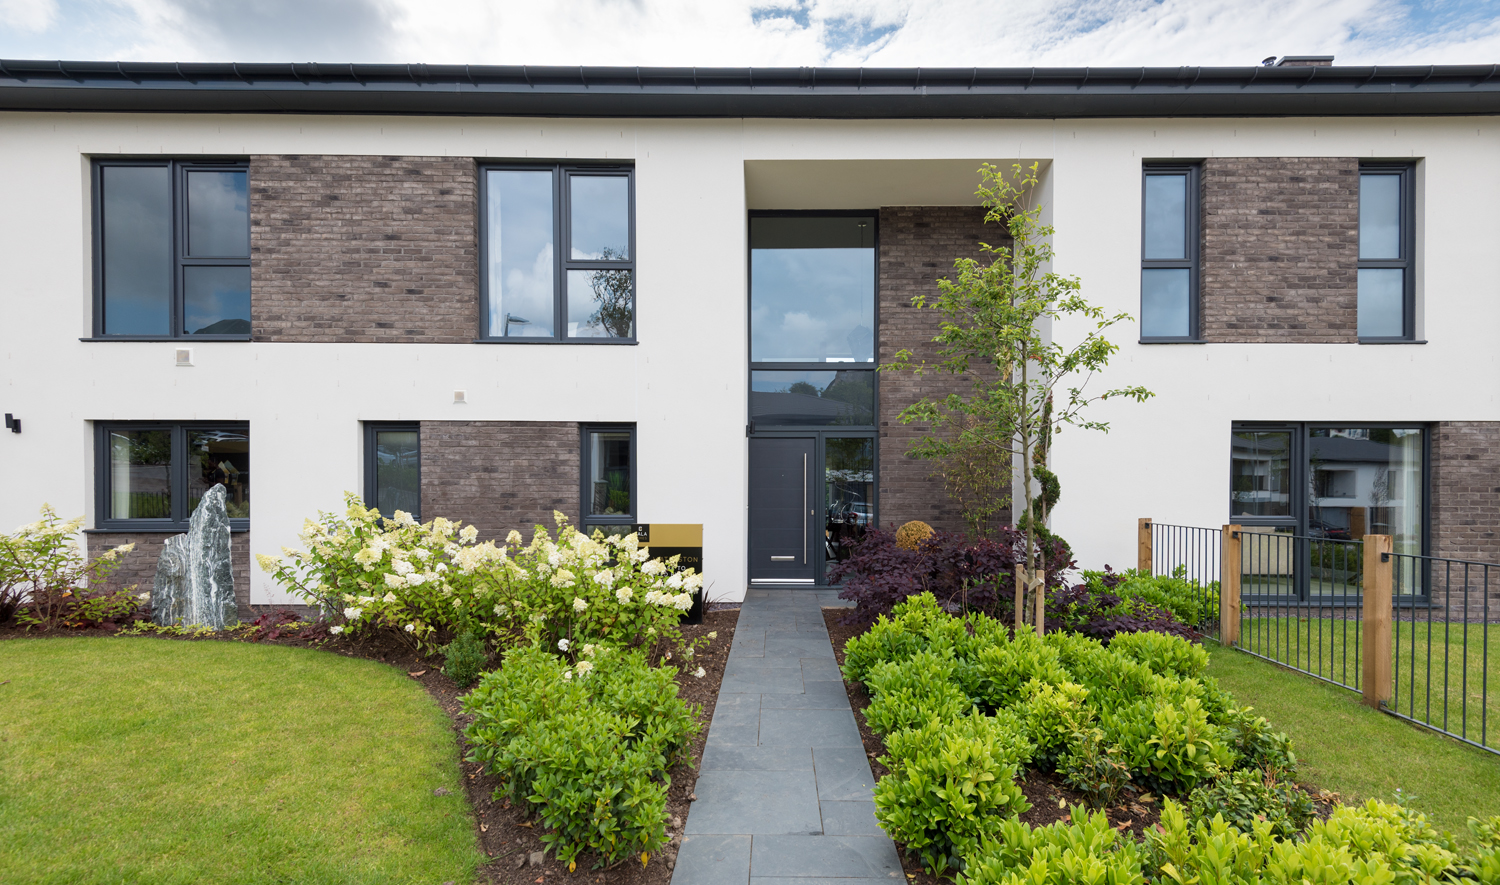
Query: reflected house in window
point(817, 399)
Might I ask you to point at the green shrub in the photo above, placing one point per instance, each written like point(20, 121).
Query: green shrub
point(911, 692)
point(892, 638)
point(1003, 668)
point(586, 747)
point(1191, 603)
point(1094, 769)
point(47, 582)
point(464, 659)
point(1257, 745)
point(1165, 655)
point(951, 785)
point(1084, 851)
point(1052, 715)
point(1169, 748)
point(1244, 797)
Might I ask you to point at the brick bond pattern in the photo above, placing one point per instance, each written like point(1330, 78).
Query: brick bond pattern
point(500, 475)
point(918, 244)
point(1280, 250)
point(372, 249)
point(1466, 509)
point(139, 565)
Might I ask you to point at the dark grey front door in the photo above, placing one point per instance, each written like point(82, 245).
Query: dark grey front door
point(782, 510)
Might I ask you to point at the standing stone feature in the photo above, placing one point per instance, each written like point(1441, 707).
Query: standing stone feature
point(194, 584)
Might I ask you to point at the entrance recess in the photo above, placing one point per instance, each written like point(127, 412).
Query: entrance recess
point(784, 521)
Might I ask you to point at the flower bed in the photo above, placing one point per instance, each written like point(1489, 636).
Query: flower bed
point(967, 715)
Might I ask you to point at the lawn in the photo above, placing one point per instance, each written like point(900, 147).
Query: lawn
point(150, 760)
point(1361, 753)
point(1430, 663)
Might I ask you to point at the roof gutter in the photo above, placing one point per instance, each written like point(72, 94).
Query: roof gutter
point(520, 90)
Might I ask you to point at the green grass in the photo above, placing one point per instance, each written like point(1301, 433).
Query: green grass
point(150, 760)
point(1361, 753)
point(1331, 648)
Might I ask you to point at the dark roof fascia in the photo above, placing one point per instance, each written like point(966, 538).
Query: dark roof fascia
point(856, 93)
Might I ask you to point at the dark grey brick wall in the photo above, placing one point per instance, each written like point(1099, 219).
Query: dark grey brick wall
point(918, 244)
point(1280, 249)
point(1466, 490)
point(500, 475)
point(354, 248)
point(139, 565)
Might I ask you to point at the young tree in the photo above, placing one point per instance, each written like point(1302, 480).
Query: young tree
point(995, 328)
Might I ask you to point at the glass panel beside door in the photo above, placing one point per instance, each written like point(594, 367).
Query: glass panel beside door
point(848, 495)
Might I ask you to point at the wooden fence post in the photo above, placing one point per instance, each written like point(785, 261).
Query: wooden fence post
point(1041, 603)
point(1020, 595)
point(1143, 559)
point(1377, 619)
point(1230, 564)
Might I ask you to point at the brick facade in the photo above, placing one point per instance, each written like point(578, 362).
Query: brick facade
point(500, 475)
point(1280, 250)
point(139, 565)
point(373, 249)
point(1466, 490)
point(918, 244)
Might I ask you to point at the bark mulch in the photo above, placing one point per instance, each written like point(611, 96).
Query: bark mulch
point(503, 832)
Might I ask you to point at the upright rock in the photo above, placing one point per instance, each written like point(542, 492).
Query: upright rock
point(194, 584)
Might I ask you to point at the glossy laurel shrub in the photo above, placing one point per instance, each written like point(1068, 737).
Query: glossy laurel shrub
point(1086, 849)
point(1245, 797)
point(585, 747)
point(976, 575)
point(1096, 611)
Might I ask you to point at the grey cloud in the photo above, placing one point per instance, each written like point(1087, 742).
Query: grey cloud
point(290, 30)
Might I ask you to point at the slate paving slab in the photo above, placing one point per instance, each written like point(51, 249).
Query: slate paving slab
point(784, 790)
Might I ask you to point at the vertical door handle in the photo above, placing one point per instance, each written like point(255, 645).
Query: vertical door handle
point(804, 508)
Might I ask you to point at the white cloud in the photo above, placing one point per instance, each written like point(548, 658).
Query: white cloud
point(756, 32)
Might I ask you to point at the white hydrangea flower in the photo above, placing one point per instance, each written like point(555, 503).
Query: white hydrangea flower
point(605, 579)
point(675, 582)
point(700, 673)
point(336, 630)
point(500, 609)
point(568, 675)
point(579, 605)
point(585, 668)
point(589, 649)
point(513, 538)
point(623, 595)
point(402, 518)
point(563, 578)
point(416, 579)
point(389, 597)
point(468, 533)
point(653, 567)
point(682, 601)
point(143, 596)
point(555, 558)
point(401, 567)
point(410, 628)
point(421, 553)
point(641, 555)
point(712, 635)
point(395, 581)
point(562, 644)
point(367, 557)
point(352, 614)
point(692, 582)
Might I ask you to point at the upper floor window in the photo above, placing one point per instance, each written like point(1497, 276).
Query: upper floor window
point(171, 249)
point(152, 475)
point(1387, 283)
point(558, 252)
point(1169, 253)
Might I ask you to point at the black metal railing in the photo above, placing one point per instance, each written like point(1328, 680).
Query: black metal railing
point(1301, 602)
point(1441, 650)
point(1191, 553)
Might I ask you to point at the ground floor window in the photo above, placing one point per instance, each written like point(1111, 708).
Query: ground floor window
point(152, 475)
point(393, 468)
point(1329, 484)
point(608, 472)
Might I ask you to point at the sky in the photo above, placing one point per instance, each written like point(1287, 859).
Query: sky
point(934, 33)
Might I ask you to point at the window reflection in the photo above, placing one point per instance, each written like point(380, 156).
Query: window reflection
point(1380, 216)
point(600, 217)
point(1165, 217)
point(844, 398)
point(848, 494)
point(609, 474)
point(812, 289)
point(140, 474)
point(216, 300)
point(1165, 303)
point(218, 214)
point(220, 457)
point(1260, 473)
point(521, 267)
point(601, 303)
point(137, 243)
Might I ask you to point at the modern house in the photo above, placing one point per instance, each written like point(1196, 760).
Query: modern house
point(659, 295)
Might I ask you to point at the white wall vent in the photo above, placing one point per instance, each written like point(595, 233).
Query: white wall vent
point(460, 397)
point(184, 356)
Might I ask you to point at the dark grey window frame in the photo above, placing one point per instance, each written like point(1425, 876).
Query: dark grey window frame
point(178, 177)
point(1298, 521)
point(1192, 262)
point(871, 367)
point(179, 471)
point(1408, 260)
point(370, 429)
point(562, 261)
point(590, 521)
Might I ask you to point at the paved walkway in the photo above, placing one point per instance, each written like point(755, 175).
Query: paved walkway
point(784, 790)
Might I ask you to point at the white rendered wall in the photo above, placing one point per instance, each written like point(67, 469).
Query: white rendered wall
point(684, 384)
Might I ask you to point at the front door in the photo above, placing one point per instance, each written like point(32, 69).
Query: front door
point(783, 507)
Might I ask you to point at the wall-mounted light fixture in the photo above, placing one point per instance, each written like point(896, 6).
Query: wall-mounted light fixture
point(12, 423)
